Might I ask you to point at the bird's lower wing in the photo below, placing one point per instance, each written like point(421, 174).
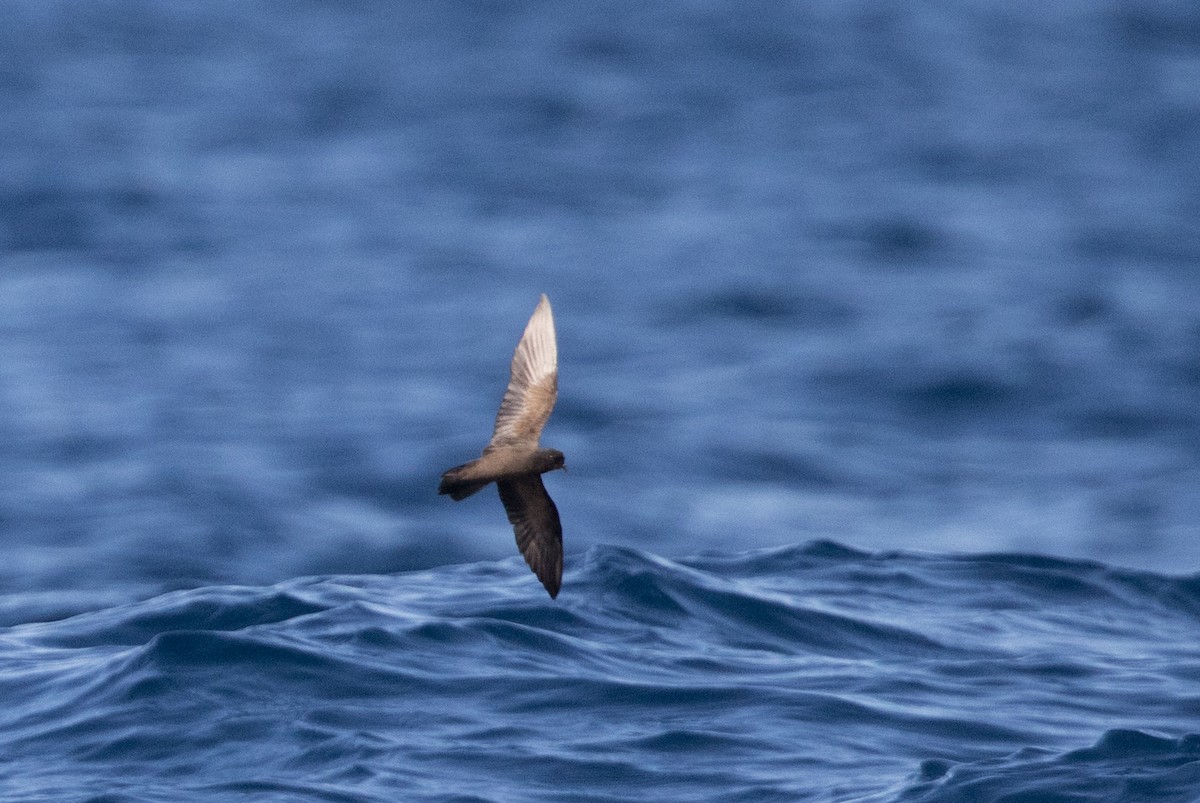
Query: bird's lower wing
point(535, 522)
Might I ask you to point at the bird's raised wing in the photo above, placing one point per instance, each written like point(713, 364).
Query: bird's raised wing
point(532, 385)
point(535, 523)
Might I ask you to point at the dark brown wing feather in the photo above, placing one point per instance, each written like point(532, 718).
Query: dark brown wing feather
point(535, 522)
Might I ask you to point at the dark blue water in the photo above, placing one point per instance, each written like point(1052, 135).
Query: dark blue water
point(879, 337)
point(814, 672)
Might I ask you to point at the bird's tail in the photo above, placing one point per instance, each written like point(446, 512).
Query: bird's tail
point(457, 486)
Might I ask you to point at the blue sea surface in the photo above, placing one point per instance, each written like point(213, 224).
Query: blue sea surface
point(794, 673)
point(879, 387)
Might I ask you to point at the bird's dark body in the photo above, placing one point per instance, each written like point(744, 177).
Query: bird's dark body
point(496, 465)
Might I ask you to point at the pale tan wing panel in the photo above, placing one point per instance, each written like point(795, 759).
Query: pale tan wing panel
point(533, 382)
point(536, 525)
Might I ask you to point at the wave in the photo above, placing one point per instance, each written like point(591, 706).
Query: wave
point(1121, 765)
point(807, 672)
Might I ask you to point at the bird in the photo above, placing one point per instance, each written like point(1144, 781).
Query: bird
point(515, 460)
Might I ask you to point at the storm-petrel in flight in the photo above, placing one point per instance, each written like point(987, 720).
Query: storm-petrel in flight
point(514, 460)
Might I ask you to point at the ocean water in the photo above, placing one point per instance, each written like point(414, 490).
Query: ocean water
point(879, 344)
point(815, 672)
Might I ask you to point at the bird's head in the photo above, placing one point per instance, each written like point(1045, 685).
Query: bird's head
point(551, 460)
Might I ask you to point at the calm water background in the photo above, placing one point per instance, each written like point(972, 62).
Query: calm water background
point(862, 307)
